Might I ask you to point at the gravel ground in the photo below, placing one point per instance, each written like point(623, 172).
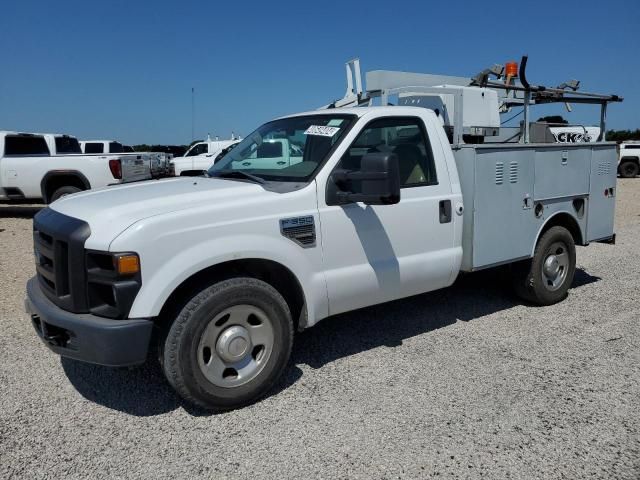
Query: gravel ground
point(463, 383)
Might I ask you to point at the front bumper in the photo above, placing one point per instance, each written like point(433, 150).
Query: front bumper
point(86, 337)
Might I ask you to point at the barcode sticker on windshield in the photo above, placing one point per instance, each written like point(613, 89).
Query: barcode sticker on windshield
point(321, 130)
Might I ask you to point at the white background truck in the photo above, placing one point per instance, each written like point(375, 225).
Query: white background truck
point(201, 156)
point(629, 159)
point(48, 166)
point(221, 271)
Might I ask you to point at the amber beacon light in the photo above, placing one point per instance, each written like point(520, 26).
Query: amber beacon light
point(511, 69)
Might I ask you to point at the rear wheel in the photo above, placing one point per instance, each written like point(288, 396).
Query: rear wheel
point(229, 344)
point(629, 169)
point(545, 279)
point(63, 192)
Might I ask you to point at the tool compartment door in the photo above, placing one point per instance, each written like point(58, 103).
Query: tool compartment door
point(561, 172)
point(502, 222)
point(601, 204)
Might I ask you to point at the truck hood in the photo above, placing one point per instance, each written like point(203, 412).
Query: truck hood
point(109, 211)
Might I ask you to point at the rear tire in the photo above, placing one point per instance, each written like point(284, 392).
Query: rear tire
point(545, 279)
point(229, 344)
point(629, 169)
point(63, 192)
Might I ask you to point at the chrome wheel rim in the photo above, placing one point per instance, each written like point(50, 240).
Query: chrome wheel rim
point(555, 266)
point(235, 346)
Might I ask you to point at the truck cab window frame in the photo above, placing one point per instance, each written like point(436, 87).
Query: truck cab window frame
point(25, 146)
point(94, 147)
point(67, 145)
point(405, 136)
point(198, 149)
point(115, 147)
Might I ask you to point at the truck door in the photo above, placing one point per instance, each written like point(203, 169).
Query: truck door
point(195, 151)
point(373, 254)
point(25, 157)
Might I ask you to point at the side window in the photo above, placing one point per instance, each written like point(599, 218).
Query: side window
point(407, 138)
point(115, 147)
point(198, 149)
point(66, 144)
point(25, 145)
point(93, 147)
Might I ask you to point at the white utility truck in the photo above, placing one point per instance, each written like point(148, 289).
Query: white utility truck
point(201, 156)
point(629, 159)
point(382, 202)
point(48, 166)
point(157, 162)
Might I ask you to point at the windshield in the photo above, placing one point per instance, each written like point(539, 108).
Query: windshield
point(287, 150)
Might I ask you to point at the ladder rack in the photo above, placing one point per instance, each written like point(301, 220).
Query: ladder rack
point(514, 91)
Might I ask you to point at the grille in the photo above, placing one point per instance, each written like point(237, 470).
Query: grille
point(58, 244)
point(50, 254)
point(499, 173)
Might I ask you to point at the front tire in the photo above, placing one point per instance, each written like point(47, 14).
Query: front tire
point(545, 279)
point(229, 344)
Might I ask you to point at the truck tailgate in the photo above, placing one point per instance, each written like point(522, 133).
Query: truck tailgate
point(135, 167)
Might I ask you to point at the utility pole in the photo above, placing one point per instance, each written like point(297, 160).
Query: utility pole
point(193, 115)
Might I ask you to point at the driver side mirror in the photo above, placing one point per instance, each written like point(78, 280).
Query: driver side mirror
point(379, 177)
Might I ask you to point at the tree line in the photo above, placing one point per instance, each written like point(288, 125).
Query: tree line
point(623, 135)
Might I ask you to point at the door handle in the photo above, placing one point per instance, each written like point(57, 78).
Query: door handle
point(246, 164)
point(445, 211)
point(281, 163)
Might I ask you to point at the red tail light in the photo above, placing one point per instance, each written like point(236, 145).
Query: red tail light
point(116, 168)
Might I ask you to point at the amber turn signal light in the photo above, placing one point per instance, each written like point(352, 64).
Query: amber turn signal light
point(127, 264)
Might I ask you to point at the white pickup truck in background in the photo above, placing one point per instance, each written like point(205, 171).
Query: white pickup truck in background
point(629, 159)
point(199, 158)
point(158, 162)
point(48, 166)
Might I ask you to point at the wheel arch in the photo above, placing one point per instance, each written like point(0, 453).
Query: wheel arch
point(55, 179)
point(272, 272)
point(562, 219)
point(630, 158)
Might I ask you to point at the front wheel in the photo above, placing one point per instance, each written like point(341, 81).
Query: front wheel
point(545, 279)
point(229, 344)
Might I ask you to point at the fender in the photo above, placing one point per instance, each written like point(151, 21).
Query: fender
point(61, 173)
point(167, 274)
point(630, 158)
point(577, 225)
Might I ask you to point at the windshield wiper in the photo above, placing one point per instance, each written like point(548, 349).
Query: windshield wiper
point(237, 174)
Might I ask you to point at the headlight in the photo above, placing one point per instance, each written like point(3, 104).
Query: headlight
point(113, 281)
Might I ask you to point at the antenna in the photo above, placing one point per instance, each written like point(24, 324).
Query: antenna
point(193, 115)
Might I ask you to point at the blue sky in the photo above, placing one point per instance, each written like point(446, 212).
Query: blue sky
point(125, 69)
